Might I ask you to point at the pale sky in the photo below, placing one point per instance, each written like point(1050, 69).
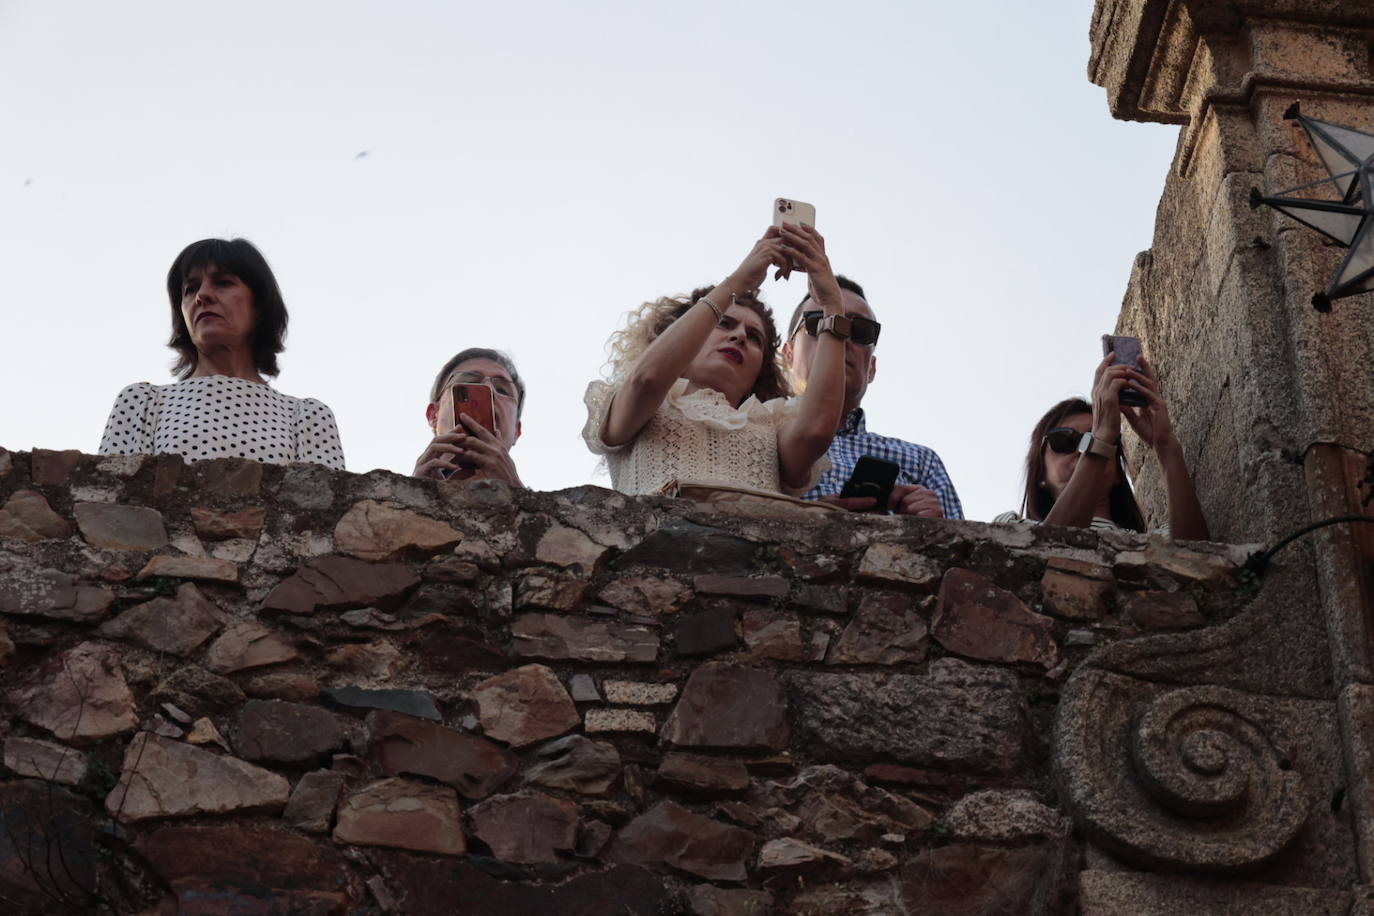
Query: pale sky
point(535, 170)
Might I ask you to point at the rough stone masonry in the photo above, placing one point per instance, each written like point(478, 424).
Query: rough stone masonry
point(237, 688)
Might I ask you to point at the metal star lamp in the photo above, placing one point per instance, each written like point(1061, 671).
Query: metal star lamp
point(1342, 211)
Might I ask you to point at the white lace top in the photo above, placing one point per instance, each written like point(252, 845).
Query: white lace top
point(698, 437)
point(220, 417)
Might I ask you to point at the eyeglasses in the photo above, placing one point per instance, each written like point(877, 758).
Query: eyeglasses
point(863, 331)
point(1063, 440)
point(504, 387)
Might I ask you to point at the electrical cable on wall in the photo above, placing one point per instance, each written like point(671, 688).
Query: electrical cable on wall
point(1258, 561)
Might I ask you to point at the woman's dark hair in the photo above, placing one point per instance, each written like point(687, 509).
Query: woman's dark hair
point(240, 258)
point(1038, 501)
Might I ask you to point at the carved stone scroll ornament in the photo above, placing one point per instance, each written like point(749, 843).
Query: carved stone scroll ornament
point(1185, 777)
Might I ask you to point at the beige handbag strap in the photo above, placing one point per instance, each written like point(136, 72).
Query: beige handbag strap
point(749, 500)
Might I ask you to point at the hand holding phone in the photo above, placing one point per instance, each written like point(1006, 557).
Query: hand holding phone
point(470, 399)
point(1127, 350)
point(872, 478)
point(796, 213)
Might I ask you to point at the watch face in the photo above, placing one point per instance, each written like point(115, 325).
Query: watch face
point(839, 325)
point(1090, 446)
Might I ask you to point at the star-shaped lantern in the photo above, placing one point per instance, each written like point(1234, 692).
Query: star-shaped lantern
point(1342, 214)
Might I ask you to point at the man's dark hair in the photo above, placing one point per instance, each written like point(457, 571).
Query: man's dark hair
point(240, 258)
point(845, 283)
point(495, 356)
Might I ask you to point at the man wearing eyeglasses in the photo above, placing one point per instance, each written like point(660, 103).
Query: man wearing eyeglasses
point(923, 487)
point(473, 452)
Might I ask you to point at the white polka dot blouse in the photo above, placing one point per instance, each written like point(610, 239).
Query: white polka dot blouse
point(220, 417)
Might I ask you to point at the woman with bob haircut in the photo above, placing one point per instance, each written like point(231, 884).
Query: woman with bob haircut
point(697, 391)
point(1076, 466)
point(228, 325)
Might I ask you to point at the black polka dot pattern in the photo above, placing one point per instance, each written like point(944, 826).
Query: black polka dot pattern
point(220, 417)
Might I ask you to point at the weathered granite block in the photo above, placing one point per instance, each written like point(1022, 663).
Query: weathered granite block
point(921, 720)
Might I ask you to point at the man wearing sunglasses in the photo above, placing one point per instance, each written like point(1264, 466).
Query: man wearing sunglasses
point(923, 487)
point(473, 452)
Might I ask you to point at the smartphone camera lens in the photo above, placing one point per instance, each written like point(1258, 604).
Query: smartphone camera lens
point(783, 206)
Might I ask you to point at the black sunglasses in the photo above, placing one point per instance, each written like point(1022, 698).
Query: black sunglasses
point(1063, 440)
point(863, 331)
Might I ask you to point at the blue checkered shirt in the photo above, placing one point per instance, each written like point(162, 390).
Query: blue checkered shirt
point(919, 464)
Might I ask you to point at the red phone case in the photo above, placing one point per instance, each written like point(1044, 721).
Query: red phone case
point(477, 401)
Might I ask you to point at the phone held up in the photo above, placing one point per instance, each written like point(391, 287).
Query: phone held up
point(1127, 350)
point(872, 477)
point(794, 212)
point(475, 400)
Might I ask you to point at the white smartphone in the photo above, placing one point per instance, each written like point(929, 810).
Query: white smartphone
point(795, 212)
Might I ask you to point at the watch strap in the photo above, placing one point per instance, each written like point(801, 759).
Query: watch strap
point(1090, 445)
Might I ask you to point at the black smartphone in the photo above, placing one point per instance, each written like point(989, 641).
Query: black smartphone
point(872, 477)
point(1127, 350)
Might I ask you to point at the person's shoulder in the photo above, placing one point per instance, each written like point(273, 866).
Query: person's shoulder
point(901, 445)
point(782, 407)
point(309, 406)
point(138, 391)
point(315, 409)
point(599, 387)
point(298, 408)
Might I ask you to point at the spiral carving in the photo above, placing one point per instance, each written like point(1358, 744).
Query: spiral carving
point(1201, 759)
point(1196, 778)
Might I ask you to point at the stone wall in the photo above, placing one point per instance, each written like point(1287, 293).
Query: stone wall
point(235, 688)
point(1272, 397)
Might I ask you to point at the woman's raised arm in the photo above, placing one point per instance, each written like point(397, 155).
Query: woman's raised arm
point(647, 383)
point(806, 437)
point(1152, 424)
point(1087, 488)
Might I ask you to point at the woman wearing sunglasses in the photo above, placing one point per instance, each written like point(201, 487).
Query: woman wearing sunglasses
point(697, 392)
point(1076, 467)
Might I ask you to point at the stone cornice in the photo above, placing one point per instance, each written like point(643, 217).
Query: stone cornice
point(1158, 59)
point(1177, 61)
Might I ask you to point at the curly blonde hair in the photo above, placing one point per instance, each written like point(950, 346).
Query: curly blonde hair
point(651, 319)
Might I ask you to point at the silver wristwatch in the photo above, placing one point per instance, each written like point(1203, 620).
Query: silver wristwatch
point(1090, 446)
point(839, 325)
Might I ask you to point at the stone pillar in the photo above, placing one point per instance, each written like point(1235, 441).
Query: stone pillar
point(1273, 400)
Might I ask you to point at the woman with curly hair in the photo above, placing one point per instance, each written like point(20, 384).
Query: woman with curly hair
point(697, 392)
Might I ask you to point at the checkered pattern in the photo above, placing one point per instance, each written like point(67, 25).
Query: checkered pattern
point(919, 464)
